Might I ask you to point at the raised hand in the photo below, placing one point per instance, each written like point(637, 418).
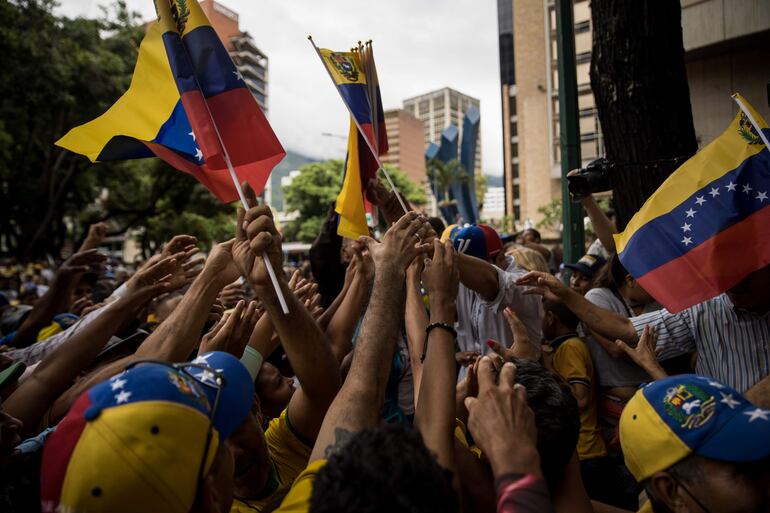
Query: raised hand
point(178, 244)
point(520, 347)
point(221, 265)
point(159, 278)
point(231, 334)
point(544, 284)
point(644, 354)
point(399, 245)
point(501, 422)
point(82, 262)
point(257, 237)
point(441, 276)
point(232, 293)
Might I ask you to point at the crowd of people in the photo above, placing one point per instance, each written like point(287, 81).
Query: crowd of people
point(430, 369)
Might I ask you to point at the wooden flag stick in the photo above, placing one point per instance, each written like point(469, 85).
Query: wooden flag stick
point(360, 130)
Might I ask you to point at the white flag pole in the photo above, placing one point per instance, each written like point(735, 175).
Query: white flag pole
point(242, 196)
point(368, 143)
point(752, 120)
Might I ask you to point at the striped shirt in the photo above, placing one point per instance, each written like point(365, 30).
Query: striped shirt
point(733, 345)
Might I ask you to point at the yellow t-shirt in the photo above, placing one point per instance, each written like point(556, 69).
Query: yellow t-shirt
point(572, 361)
point(289, 456)
point(298, 498)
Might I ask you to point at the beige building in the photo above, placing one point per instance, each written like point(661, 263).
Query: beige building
point(725, 43)
point(406, 144)
point(438, 109)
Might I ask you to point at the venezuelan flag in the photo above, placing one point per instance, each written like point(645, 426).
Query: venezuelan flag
point(708, 226)
point(347, 72)
point(185, 100)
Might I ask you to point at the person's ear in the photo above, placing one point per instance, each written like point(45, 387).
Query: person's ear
point(630, 281)
point(668, 492)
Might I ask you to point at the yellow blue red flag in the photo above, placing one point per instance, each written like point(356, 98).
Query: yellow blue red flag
point(707, 226)
point(187, 104)
point(354, 75)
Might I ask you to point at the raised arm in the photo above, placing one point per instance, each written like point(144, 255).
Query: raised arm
point(57, 299)
point(601, 223)
point(435, 411)
point(480, 276)
point(343, 324)
point(59, 369)
point(359, 401)
point(415, 321)
point(604, 322)
point(303, 340)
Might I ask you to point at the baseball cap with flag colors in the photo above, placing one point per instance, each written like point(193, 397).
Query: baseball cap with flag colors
point(472, 241)
point(493, 240)
point(136, 442)
point(669, 419)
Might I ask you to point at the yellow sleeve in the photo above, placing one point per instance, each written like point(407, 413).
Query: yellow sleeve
point(572, 362)
point(298, 498)
point(289, 454)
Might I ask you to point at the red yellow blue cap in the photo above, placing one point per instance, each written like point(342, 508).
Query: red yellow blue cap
point(669, 419)
point(136, 442)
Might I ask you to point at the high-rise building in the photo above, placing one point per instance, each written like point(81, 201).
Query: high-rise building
point(439, 109)
point(530, 98)
point(508, 98)
point(406, 144)
point(247, 57)
point(723, 43)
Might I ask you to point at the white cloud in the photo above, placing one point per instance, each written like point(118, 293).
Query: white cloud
point(419, 47)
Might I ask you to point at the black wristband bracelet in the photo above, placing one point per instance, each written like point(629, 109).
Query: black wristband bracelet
point(431, 327)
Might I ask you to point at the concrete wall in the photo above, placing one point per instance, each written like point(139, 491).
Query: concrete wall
point(707, 22)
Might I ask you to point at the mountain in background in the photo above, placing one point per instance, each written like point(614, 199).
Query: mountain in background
point(494, 180)
point(291, 162)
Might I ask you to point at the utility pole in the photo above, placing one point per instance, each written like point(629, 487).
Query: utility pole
point(569, 130)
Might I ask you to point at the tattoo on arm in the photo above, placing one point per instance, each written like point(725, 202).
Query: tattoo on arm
point(341, 438)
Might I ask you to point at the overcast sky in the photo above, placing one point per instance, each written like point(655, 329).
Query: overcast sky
point(419, 46)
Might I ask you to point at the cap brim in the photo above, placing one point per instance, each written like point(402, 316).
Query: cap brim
point(740, 439)
point(580, 267)
point(12, 373)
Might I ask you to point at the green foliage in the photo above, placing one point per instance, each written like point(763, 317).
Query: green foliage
point(443, 175)
point(480, 184)
point(313, 192)
point(414, 193)
point(59, 73)
point(551, 216)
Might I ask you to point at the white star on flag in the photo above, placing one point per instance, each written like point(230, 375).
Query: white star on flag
point(198, 154)
point(686, 227)
point(238, 74)
point(762, 196)
point(716, 384)
point(203, 359)
point(207, 376)
point(731, 186)
point(687, 241)
point(714, 192)
point(690, 213)
point(118, 383)
point(124, 396)
point(757, 413)
point(747, 188)
point(192, 134)
point(700, 200)
point(729, 400)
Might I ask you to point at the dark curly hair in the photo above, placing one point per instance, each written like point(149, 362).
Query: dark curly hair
point(384, 469)
point(556, 415)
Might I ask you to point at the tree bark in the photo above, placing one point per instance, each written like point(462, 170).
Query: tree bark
point(639, 81)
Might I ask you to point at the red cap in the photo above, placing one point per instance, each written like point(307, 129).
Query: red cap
point(492, 239)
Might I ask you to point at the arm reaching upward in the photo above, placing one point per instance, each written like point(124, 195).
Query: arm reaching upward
point(359, 401)
point(303, 340)
point(604, 322)
point(435, 412)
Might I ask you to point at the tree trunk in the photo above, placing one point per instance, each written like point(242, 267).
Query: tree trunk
point(639, 81)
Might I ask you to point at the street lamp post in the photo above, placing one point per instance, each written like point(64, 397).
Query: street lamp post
point(569, 129)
